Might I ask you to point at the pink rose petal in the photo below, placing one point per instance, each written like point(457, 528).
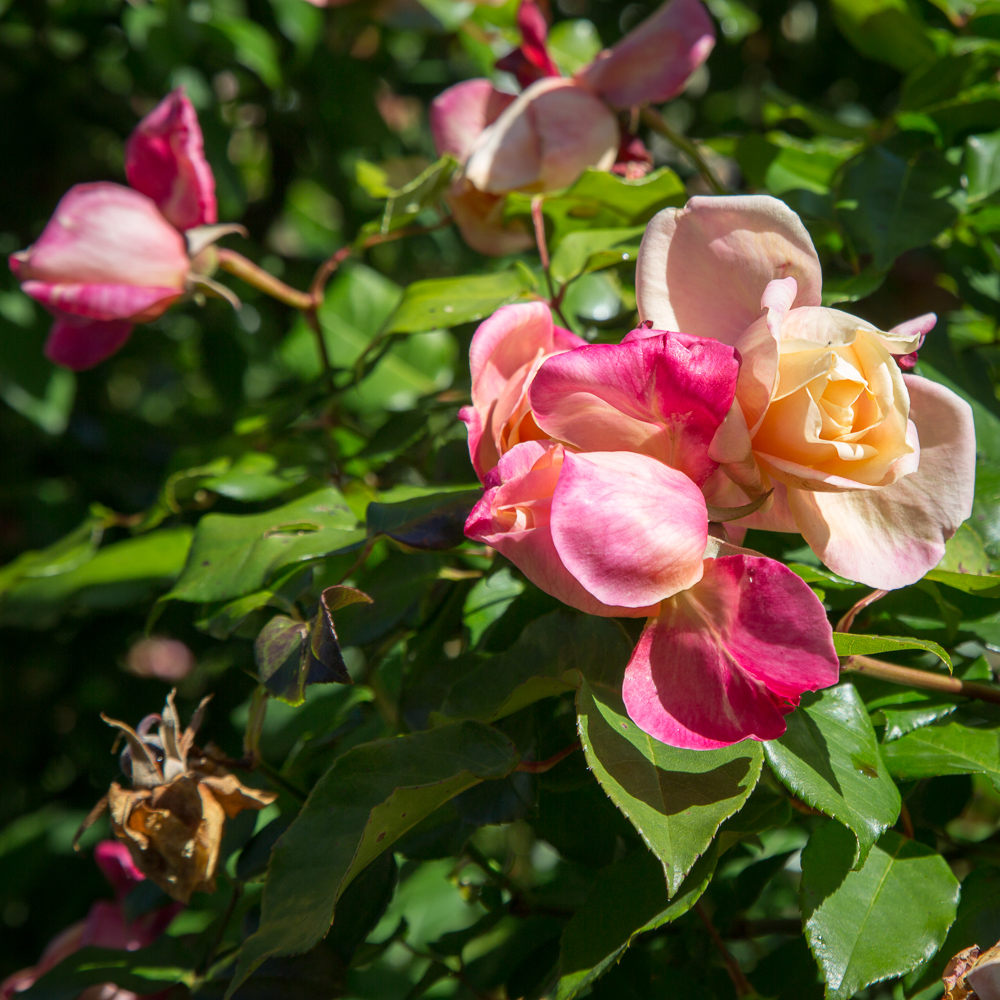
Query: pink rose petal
point(661, 394)
point(630, 529)
point(704, 267)
point(653, 62)
point(729, 658)
point(165, 159)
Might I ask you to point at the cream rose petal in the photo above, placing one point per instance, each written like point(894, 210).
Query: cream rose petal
point(891, 537)
point(703, 268)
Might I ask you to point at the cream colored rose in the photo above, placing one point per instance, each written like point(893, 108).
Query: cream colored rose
point(838, 416)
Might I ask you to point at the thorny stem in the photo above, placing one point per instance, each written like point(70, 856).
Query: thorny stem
point(657, 123)
point(740, 982)
point(911, 677)
point(538, 221)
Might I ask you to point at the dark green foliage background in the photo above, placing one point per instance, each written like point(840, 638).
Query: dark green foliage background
point(291, 99)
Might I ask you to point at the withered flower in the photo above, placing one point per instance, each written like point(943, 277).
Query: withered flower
point(172, 818)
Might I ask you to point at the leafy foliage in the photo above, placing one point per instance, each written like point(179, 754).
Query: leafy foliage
point(465, 808)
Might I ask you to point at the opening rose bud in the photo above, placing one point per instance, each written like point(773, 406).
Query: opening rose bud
point(112, 256)
point(506, 352)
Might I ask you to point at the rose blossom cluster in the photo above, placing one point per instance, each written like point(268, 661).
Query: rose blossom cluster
point(112, 256)
point(602, 463)
point(545, 137)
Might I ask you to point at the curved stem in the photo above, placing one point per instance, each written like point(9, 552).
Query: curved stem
point(255, 276)
point(657, 123)
point(538, 221)
point(923, 679)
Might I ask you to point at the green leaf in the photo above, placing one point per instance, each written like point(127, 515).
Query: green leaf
point(851, 644)
point(894, 197)
point(977, 922)
point(445, 302)
point(982, 166)
point(907, 709)
point(221, 619)
point(370, 797)
point(885, 30)
point(537, 666)
point(117, 575)
point(881, 921)
point(676, 799)
point(488, 600)
point(965, 743)
point(601, 200)
point(254, 47)
point(628, 899)
point(573, 44)
point(434, 521)
point(591, 249)
point(149, 970)
point(829, 758)
point(252, 477)
point(406, 203)
point(234, 554)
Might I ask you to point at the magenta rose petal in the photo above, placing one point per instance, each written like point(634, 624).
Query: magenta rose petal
point(729, 658)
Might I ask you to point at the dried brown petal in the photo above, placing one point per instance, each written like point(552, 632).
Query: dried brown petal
point(984, 976)
point(955, 985)
point(235, 797)
point(173, 831)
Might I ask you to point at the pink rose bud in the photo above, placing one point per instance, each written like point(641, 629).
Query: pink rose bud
point(165, 160)
point(107, 259)
point(653, 62)
point(506, 352)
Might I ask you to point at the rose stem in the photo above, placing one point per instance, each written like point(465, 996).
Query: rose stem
point(656, 122)
point(538, 220)
point(541, 766)
point(246, 270)
point(740, 981)
point(921, 678)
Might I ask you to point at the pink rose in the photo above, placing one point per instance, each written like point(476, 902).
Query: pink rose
point(620, 528)
point(875, 468)
point(729, 644)
point(113, 256)
point(105, 926)
point(543, 139)
point(506, 352)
